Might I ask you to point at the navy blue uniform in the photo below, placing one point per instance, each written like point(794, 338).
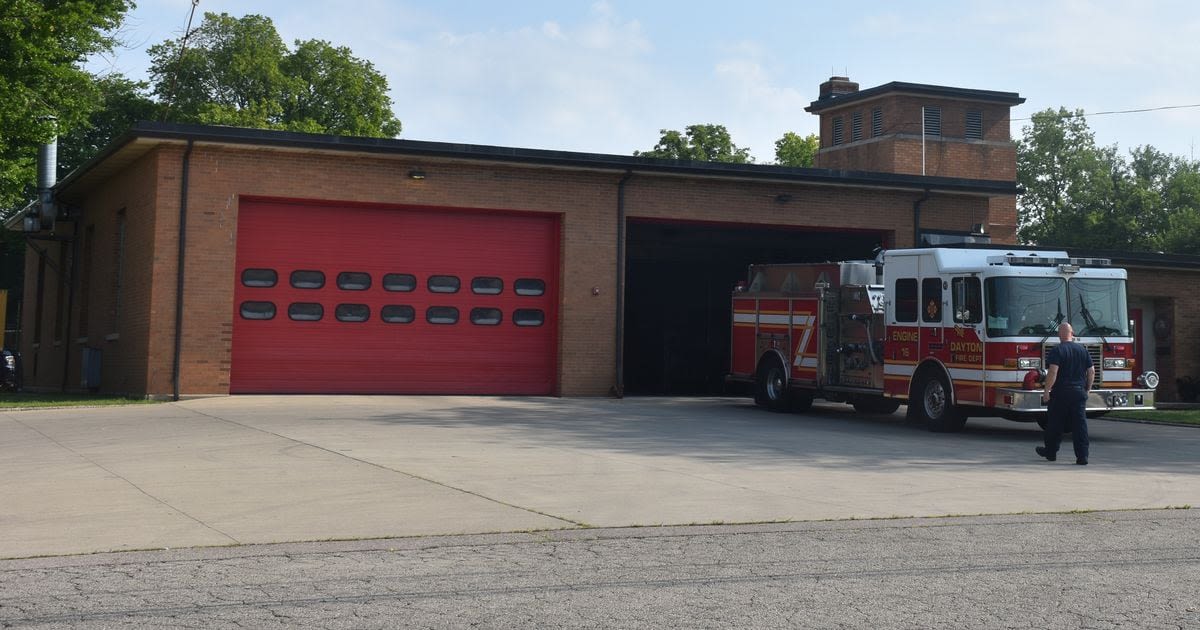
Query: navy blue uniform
point(1068, 402)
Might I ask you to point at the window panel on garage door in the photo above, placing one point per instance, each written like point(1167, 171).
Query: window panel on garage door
point(475, 292)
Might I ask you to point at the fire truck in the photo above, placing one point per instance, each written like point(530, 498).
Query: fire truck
point(950, 332)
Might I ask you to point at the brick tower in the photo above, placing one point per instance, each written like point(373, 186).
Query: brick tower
point(918, 129)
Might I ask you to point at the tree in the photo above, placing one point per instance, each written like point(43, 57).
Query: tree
point(1181, 201)
point(700, 143)
point(792, 150)
point(334, 90)
point(1080, 195)
point(1057, 165)
point(122, 103)
point(42, 45)
point(238, 71)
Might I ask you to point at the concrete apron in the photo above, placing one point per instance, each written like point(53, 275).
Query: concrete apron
point(260, 469)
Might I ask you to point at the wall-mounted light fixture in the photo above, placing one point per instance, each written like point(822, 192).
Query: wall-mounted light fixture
point(416, 173)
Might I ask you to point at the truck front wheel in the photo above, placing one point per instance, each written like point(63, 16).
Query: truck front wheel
point(930, 404)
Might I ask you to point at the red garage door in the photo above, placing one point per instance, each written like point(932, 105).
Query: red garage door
point(354, 299)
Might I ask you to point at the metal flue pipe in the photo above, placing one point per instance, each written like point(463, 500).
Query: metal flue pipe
point(47, 175)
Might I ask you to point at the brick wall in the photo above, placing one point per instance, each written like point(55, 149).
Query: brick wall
point(218, 177)
point(139, 359)
point(898, 149)
point(118, 319)
point(1175, 300)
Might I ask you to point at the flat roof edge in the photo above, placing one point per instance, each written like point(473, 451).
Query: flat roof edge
point(900, 87)
point(564, 159)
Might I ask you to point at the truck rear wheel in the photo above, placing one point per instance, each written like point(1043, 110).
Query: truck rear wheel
point(930, 404)
point(770, 386)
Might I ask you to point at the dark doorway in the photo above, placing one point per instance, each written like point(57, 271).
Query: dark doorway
point(678, 281)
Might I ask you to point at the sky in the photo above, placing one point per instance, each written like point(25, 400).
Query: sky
point(606, 76)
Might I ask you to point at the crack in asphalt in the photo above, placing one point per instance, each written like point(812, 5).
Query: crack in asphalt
point(394, 470)
point(135, 486)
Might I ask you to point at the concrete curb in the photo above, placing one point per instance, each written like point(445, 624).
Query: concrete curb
point(1137, 421)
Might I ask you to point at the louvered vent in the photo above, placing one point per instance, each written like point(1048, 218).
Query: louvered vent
point(933, 121)
point(974, 125)
point(876, 122)
point(838, 131)
point(855, 126)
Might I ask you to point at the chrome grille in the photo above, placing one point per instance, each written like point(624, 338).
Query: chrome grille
point(1093, 349)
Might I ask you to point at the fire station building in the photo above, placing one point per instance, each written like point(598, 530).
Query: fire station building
point(198, 260)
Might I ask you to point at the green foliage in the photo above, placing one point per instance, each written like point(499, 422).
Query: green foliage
point(237, 71)
point(336, 91)
point(41, 46)
point(31, 400)
point(1080, 195)
point(793, 150)
point(700, 143)
point(122, 103)
point(1172, 416)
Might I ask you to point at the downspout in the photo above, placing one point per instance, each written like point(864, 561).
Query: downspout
point(183, 204)
point(48, 214)
point(619, 388)
point(917, 218)
point(70, 302)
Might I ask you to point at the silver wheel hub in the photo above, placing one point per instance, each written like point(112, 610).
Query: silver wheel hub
point(935, 399)
point(774, 384)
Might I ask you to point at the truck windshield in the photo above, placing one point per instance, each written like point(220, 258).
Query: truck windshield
point(1098, 307)
point(1024, 306)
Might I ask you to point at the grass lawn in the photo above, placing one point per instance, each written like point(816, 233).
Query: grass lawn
point(29, 401)
point(1177, 416)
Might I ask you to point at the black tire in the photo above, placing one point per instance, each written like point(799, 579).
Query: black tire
point(876, 405)
point(770, 386)
point(929, 404)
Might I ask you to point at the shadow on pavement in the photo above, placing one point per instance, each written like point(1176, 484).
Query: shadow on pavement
point(731, 430)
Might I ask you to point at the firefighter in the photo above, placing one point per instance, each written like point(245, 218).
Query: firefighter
point(1069, 374)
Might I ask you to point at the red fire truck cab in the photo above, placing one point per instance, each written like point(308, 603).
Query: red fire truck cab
point(952, 333)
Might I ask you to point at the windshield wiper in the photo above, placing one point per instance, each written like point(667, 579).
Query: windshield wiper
point(1091, 322)
point(1057, 322)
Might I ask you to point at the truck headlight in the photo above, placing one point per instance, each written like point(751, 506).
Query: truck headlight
point(1149, 380)
point(1115, 364)
point(1029, 364)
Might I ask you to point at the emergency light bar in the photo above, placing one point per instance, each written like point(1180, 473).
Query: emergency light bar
point(1040, 261)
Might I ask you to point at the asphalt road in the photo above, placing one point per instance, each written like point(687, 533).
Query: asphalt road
point(1134, 569)
point(423, 490)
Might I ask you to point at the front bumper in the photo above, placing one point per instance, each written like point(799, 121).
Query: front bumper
point(1030, 400)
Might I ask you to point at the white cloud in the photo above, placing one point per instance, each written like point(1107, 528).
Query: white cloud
point(555, 85)
point(606, 77)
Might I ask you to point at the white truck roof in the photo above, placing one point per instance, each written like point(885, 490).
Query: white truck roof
point(955, 260)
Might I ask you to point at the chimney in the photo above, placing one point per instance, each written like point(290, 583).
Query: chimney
point(837, 86)
point(47, 174)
